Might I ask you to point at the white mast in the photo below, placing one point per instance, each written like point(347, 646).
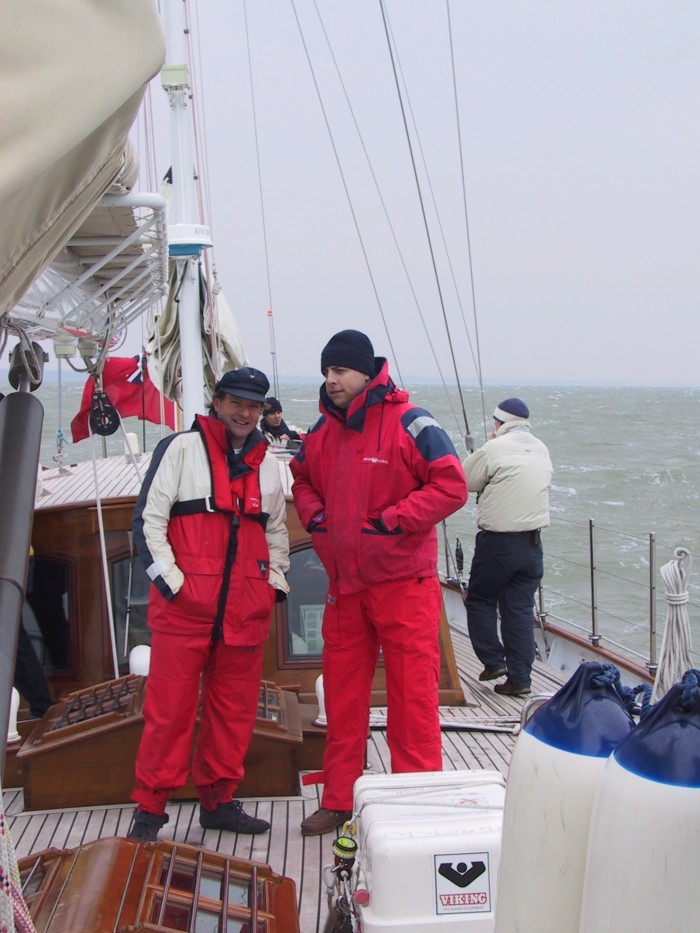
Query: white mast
point(187, 238)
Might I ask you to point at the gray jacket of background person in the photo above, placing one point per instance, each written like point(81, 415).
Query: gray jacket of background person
point(511, 474)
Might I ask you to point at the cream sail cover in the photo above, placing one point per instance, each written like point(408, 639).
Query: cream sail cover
point(73, 75)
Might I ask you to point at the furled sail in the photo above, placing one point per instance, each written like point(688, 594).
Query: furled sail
point(222, 343)
point(73, 76)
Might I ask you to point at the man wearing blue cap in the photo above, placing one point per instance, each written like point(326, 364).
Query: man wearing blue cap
point(511, 474)
point(209, 526)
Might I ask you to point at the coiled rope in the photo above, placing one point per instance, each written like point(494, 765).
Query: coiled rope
point(14, 913)
point(676, 645)
point(691, 688)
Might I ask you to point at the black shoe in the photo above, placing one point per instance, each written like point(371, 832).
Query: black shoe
point(492, 673)
point(232, 817)
point(510, 689)
point(146, 826)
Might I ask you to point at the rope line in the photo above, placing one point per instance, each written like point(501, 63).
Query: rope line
point(263, 216)
point(385, 210)
point(346, 189)
point(691, 690)
point(610, 677)
point(676, 644)
point(425, 220)
point(476, 352)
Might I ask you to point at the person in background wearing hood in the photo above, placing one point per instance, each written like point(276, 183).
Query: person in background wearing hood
point(273, 426)
point(372, 479)
point(209, 526)
point(511, 473)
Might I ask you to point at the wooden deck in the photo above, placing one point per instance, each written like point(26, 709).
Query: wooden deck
point(478, 736)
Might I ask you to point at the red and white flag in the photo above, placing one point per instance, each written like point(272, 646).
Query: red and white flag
point(128, 386)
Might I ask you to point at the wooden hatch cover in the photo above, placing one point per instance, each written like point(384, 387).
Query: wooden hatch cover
point(82, 752)
point(118, 885)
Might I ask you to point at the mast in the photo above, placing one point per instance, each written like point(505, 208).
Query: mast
point(186, 235)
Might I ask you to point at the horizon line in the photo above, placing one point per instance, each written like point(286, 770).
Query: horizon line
point(72, 376)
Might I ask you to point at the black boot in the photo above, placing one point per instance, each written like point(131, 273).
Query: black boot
point(232, 817)
point(146, 825)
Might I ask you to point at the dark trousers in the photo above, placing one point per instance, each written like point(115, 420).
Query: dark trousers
point(30, 680)
point(505, 573)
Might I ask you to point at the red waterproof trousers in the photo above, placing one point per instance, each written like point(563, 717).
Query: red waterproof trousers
point(403, 619)
point(230, 678)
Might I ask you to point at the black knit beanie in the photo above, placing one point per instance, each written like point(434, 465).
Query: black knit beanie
point(271, 405)
point(352, 349)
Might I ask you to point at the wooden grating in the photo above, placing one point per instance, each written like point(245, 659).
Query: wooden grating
point(120, 885)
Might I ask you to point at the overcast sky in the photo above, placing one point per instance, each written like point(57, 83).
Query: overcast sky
point(581, 152)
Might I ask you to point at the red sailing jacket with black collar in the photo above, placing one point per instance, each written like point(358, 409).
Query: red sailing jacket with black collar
point(213, 542)
point(378, 479)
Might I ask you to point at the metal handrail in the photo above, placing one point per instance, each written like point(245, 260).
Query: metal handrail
point(593, 610)
point(595, 637)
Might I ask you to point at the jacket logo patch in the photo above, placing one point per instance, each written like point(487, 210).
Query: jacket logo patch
point(374, 460)
point(263, 567)
point(331, 600)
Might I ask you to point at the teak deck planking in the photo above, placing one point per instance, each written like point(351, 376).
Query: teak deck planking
point(284, 849)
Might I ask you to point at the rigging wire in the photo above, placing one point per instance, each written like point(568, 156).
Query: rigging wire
point(385, 210)
point(273, 353)
point(201, 154)
point(201, 157)
point(347, 192)
point(466, 226)
point(433, 199)
point(273, 350)
point(440, 228)
point(147, 149)
point(209, 319)
point(468, 438)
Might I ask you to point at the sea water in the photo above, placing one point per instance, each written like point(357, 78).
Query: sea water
point(626, 458)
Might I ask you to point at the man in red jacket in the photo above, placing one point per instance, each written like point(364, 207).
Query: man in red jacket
point(372, 479)
point(209, 526)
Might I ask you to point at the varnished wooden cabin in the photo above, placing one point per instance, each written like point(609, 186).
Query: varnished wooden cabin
point(67, 613)
point(92, 733)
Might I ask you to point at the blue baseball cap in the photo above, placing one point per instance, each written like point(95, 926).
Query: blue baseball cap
point(245, 382)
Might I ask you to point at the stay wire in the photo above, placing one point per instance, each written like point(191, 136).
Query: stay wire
point(424, 163)
point(209, 323)
point(477, 356)
point(385, 210)
point(423, 213)
point(273, 348)
point(347, 191)
point(448, 257)
point(201, 155)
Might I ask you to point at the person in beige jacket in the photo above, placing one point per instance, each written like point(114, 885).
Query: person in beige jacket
point(511, 474)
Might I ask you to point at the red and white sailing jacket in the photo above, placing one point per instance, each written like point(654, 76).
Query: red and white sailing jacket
point(215, 547)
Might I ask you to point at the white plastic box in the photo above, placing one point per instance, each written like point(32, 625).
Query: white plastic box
point(429, 849)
